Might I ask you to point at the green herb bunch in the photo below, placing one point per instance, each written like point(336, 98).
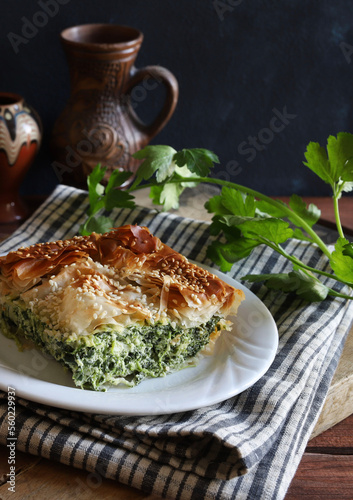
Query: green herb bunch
point(245, 218)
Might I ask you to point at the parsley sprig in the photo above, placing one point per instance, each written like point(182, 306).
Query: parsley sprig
point(242, 217)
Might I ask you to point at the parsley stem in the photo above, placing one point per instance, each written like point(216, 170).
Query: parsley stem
point(301, 264)
point(337, 216)
point(296, 218)
point(337, 294)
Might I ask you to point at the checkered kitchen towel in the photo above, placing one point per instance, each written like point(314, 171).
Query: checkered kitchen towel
point(247, 447)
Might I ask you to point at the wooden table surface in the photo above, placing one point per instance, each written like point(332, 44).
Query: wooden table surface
point(325, 471)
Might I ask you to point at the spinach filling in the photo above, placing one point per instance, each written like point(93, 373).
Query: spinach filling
point(110, 357)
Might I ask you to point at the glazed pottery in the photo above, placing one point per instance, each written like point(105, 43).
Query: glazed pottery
point(99, 124)
point(20, 138)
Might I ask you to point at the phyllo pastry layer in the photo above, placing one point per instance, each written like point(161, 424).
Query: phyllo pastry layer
point(113, 308)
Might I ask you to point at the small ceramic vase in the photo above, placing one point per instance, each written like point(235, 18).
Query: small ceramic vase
point(20, 138)
point(99, 124)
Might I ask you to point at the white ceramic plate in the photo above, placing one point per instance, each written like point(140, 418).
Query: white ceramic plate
point(240, 358)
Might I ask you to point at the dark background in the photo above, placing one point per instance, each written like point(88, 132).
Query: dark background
point(238, 63)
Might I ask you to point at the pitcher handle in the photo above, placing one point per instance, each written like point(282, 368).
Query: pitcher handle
point(163, 75)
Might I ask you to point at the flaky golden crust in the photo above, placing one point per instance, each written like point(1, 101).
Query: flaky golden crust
point(132, 250)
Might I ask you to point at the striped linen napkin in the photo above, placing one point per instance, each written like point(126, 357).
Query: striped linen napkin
point(247, 447)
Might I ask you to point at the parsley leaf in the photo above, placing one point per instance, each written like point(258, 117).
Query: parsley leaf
point(117, 179)
point(310, 214)
point(225, 254)
point(220, 225)
point(342, 260)
point(271, 229)
point(107, 197)
point(317, 161)
point(199, 161)
point(237, 217)
point(166, 195)
point(263, 207)
point(168, 166)
point(304, 284)
point(157, 160)
point(231, 201)
point(237, 203)
point(116, 198)
point(215, 205)
point(99, 224)
point(336, 166)
point(184, 172)
point(348, 250)
point(95, 189)
point(340, 153)
point(299, 235)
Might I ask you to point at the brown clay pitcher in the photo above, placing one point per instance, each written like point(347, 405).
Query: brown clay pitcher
point(99, 124)
point(20, 138)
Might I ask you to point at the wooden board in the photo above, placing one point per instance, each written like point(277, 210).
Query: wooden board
point(339, 401)
point(326, 469)
point(322, 476)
